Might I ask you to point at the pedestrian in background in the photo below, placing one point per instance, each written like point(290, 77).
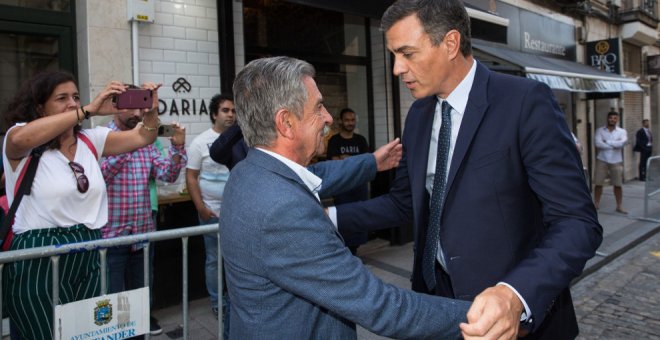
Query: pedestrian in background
point(127, 177)
point(344, 144)
point(68, 202)
point(643, 145)
point(205, 180)
point(610, 140)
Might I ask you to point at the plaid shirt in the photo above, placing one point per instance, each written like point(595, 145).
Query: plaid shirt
point(127, 178)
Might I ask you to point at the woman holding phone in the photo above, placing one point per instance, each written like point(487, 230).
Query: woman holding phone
point(68, 201)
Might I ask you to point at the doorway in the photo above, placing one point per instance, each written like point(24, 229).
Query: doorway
point(336, 44)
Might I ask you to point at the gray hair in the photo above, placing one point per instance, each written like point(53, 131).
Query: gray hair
point(264, 87)
point(437, 17)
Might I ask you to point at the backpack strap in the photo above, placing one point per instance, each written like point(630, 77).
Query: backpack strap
point(23, 187)
point(21, 175)
point(86, 140)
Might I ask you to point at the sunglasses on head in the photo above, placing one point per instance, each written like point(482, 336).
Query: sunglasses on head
point(81, 179)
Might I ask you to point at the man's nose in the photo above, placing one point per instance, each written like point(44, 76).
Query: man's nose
point(327, 117)
point(399, 66)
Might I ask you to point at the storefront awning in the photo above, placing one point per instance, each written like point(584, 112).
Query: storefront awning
point(562, 74)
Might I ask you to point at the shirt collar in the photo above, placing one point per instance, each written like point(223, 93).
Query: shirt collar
point(459, 97)
point(112, 126)
point(311, 181)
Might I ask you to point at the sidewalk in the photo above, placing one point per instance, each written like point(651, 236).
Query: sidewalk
point(622, 232)
point(393, 264)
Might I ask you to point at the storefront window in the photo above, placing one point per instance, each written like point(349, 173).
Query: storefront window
point(289, 27)
point(21, 56)
point(335, 43)
point(51, 5)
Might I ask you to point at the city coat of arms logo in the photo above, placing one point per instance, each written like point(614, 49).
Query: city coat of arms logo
point(102, 312)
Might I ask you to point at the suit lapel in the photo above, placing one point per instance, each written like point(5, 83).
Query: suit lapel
point(474, 114)
point(417, 152)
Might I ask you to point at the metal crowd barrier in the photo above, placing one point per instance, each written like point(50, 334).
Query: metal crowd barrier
point(651, 185)
point(101, 246)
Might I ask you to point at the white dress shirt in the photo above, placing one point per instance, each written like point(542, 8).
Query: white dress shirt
point(310, 180)
point(610, 144)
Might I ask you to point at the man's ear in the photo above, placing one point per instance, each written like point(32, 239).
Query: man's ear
point(283, 125)
point(453, 43)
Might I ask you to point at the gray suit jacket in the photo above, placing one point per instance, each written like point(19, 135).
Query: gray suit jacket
point(290, 276)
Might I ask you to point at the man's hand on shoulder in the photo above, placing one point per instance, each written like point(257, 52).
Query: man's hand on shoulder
point(494, 314)
point(389, 155)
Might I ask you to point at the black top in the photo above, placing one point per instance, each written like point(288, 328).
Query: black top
point(342, 147)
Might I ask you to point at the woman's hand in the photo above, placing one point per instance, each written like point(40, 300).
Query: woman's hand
point(102, 105)
point(154, 89)
point(179, 137)
point(150, 118)
point(144, 134)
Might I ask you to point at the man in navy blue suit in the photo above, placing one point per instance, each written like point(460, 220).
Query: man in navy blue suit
point(504, 216)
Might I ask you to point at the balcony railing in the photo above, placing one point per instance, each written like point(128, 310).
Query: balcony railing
point(645, 11)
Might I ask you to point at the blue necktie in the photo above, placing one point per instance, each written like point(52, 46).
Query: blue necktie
point(437, 198)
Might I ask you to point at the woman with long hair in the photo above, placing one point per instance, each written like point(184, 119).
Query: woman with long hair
point(68, 200)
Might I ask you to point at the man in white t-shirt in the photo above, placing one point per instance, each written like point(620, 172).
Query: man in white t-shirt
point(203, 172)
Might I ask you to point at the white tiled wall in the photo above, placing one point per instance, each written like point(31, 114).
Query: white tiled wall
point(183, 43)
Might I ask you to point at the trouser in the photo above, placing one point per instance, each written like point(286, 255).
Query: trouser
point(126, 269)
point(211, 262)
point(211, 273)
point(643, 158)
point(29, 283)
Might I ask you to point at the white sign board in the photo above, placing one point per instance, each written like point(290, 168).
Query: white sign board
point(114, 316)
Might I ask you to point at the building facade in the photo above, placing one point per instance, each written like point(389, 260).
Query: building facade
point(597, 55)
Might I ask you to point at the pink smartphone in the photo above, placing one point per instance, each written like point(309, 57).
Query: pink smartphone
point(134, 99)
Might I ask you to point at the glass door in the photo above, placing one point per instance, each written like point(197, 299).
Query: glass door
point(34, 36)
point(24, 53)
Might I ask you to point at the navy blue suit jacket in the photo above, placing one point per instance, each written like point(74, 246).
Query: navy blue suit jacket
point(517, 208)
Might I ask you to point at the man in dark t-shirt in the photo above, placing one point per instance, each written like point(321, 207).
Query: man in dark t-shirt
point(345, 144)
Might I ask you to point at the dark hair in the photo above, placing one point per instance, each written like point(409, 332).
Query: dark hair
point(341, 113)
point(33, 93)
point(437, 17)
point(218, 99)
point(612, 113)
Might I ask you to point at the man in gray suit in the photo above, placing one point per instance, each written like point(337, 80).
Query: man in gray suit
point(289, 274)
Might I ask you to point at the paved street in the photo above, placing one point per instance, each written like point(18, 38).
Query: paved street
point(622, 299)
point(619, 297)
